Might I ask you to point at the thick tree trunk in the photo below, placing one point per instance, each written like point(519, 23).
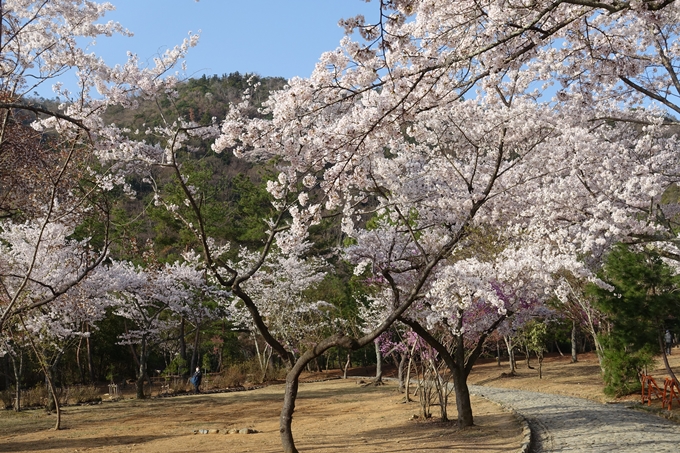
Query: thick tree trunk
point(292, 384)
point(141, 371)
point(400, 371)
point(463, 403)
point(574, 342)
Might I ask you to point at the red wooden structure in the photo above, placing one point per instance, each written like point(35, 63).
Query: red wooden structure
point(650, 389)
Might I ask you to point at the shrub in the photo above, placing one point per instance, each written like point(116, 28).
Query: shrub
point(622, 370)
point(7, 398)
point(82, 394)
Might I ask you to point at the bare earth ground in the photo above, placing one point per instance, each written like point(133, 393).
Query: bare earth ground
point(330, 416)
point(335, 415)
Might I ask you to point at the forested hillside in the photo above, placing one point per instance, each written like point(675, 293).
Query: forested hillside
point(235, 203)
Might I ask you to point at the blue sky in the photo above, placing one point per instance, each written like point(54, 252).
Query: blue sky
point(269, 37)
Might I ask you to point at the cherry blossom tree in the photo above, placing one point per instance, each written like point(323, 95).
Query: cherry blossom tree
point(74, 309)
point(73, 154)
point(148, 297)
point(433, 124)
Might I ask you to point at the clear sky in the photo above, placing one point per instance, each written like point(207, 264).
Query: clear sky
point(269, 37)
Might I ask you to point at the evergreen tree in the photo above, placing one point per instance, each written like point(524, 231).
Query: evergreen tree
point(640, 304)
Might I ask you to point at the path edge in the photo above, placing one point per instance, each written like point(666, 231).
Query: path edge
point(525, 447)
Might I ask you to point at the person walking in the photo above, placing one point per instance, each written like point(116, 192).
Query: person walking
point(669, 341)
point(196, 380)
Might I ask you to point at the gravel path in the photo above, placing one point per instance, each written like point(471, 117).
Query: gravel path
point(567, 424)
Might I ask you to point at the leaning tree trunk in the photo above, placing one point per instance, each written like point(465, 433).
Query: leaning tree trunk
point(17, 379)
point(347, 365)
point(667, 365)
point(50, 384)
point(407, 384)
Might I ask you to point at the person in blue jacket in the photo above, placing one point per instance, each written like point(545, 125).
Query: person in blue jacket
point(196, 380)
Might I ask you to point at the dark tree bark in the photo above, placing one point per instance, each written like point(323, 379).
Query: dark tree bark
point(401, 365)
point(574, 342)
point(183, 347)
point(458, 362)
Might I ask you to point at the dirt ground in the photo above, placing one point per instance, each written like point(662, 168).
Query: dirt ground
point(333, 415)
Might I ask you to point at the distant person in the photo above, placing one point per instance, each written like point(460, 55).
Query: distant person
point(669, 341)
point(196, 380)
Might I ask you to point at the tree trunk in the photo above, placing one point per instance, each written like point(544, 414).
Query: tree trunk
point(667, 365)
point(88, 345)
point(17, 379)
point(498, 353)
point(78, 364)
point(463, 403)
point(407, 384)
point(347, 365)
point(574, 338)
point(183, 348)
point(194, 355)
point(55, 398)
point(511, 353)
point(400, 370)
point(287, 411)
point(141, 371)
point(46, 370)
point(52, 401)
point(378, 364)
point(528, 357)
